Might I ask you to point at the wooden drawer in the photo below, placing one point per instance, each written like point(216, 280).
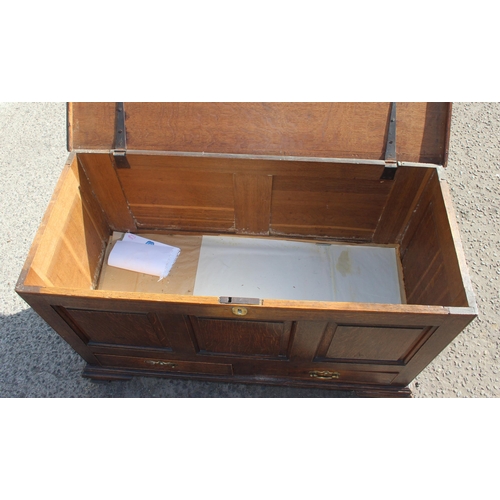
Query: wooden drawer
point(318, 373)
point(163, 365)
point(342, 375)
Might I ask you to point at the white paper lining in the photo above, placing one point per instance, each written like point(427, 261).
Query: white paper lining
point(289, 270)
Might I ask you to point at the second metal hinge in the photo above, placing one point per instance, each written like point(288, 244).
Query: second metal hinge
point(120, 145)
point(391, 163)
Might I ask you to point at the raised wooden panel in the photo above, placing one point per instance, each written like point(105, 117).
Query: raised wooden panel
point(429, 256)
point(106, 186)
point(419, 278)
point(243, 338)
point(407, 187)
point(74, 238)
point(342, 207)
point(119, 328)
point(373, 343)
point(168, 196)
point(252, 196)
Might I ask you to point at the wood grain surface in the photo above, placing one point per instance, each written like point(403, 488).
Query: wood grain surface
point(329, 130)
point(73, 238)
point(428, 253)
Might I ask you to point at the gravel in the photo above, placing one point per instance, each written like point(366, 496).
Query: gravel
point(36, 362)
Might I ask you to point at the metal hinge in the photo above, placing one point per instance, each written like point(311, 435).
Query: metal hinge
point(391, 163)
point(120, 146)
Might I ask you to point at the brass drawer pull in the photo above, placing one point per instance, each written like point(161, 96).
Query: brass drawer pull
point(160, 363)
point(324, 375)
point(239, 311)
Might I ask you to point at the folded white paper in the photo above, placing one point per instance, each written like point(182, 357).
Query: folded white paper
point(156, 259)
point(134, 238)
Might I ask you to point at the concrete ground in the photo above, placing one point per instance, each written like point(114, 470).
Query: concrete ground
point(36, 362)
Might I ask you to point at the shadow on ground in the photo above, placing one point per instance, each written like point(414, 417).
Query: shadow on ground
point(36, 363)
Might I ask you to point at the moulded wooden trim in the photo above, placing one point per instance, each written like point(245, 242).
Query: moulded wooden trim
point(360, 389)
point(464, 311)
point(281, 158)
point(268, 304)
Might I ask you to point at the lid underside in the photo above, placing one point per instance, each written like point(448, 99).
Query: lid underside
point(322, 130)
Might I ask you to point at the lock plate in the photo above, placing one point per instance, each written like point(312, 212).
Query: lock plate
point(240, 311)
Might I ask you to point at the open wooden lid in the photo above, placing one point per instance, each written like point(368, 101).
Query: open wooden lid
point(322, 130)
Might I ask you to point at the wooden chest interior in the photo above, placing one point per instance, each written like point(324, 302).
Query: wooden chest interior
point(311, 173)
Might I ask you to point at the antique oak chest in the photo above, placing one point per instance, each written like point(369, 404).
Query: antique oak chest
point(318, 243)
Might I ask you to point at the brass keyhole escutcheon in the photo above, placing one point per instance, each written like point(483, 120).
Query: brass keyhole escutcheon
point(239, 311)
